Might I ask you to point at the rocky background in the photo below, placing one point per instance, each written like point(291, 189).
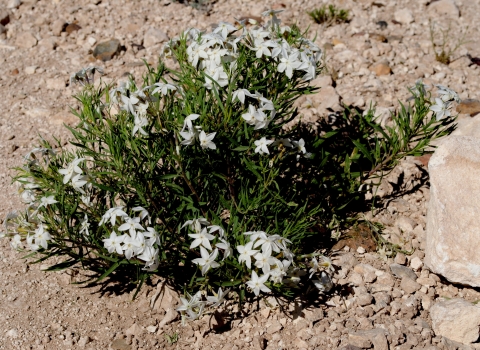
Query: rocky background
point(380, 302)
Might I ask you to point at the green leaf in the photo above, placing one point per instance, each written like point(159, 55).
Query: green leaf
point(241, 148)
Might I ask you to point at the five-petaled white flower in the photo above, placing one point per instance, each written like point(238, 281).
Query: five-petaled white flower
point(440, 109)
point(257, 284)
point(246, 253)
point(71, 170)
point(44, 201)
point(300, 145)
point(132, 225)
point(262, 145)
point(163, 88)
point(203, 238)
point(216, 300)
point(206, 140)
point(207, 261)
point(240, 94)
point(113, 243)
point(288, 64)
point(227, 250)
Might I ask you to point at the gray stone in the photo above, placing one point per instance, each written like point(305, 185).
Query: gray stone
point(359, 340)
point(402, 271)
point(56, 84)
point(364, 299)
point(25, 40)
point(322, 81)
point(444, 7)
point(153, 37)
point(453, 229)
point(106, 50)
point(456, 319)
point(2, 29)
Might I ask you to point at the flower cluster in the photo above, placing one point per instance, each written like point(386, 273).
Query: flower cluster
point(136, 241)
point(443, 102)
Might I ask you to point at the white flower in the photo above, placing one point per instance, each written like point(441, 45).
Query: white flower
point(314, 267)
point(300, 145)
point(206, 140)
point(447, 94)
point(153, 236)
point(440, 109)
point(188, 136)
point(207, 261)
point(257, 283)
point(16, 242)
point(113, 243)
point(246, 252)
point(139, 123)
point(112, 214)
point(143, 213)
point(268, 244)
point(214, 228)
point(280, 271)
point(44, 201)
point(71, 169)
point(196, 224)
point(263, 261)
point(132, 225)
point(132, 246)
point(227, 250)
point(224, 29)
point(250, 115)
point(240, 94)
point(129, 103)
point(163, 88)
point(203, 238)
point(187, 123)
point(327, 264)
point(217, 299)
point(150, 256)
point(78, 181)
point(28, 196)
point(192, 306)
point(84, 226)
point(195, 52)
point(262, 48)
point(288, 64)
point(262, 145)
point(41, 237)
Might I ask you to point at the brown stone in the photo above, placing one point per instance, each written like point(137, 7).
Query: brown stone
point(336, 41)
point(469, 106)
point(381, 68)
point(106, 50)
point(15, 71)
point(378, 37)
point(72, 27)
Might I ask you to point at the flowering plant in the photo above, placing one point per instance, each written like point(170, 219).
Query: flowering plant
point(192, 175)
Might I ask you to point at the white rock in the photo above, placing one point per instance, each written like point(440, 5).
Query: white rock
point(30, 70)
point(91, 41)
point(444, 7)
point(326, 98)
point(12, 333)
point(361, 250)
point(468, 127)
point(453, 228)
point(13, 4)
point(404, 16)
point(152, 329)
point(153, 37)
point(456, 319)
point(416, 263)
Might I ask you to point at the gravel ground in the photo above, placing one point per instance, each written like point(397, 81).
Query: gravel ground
point(384, 48)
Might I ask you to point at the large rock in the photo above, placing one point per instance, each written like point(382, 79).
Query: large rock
point(26, 40)
point(456, 319)
point(453, 228)
point(106, 50)
point(444, 7)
